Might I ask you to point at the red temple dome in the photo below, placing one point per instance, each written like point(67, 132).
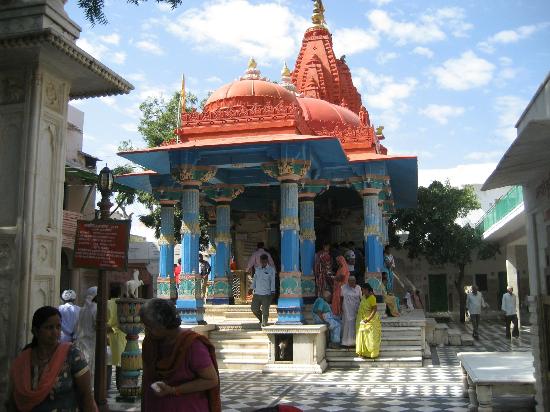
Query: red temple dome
point(250, 90)
point(320, 113)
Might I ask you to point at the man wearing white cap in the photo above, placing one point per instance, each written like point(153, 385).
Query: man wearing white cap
point(69, 316)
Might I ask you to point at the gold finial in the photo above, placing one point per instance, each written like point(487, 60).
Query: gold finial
point(318, 17)
point(286, 71)
point(252, 63)
point(380, 130)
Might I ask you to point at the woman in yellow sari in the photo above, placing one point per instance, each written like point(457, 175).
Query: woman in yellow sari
point(368, 326)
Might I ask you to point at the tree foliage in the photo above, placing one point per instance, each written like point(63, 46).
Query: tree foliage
point(436, 232)
point(157, 125)
point(93, 9)
point(159, 117)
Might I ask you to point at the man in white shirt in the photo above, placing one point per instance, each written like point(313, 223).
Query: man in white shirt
point(69, 316)
point(264, 288)
point(254, 259)
point(509, 308)
point(474, 304)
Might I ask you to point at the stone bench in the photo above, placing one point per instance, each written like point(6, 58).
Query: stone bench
point(296, 348)
point(486, 374)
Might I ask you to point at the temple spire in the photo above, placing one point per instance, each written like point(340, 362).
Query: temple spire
point(252, 72)
point(318, 17)
point(286, 80)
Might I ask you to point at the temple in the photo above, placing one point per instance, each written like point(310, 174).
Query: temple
point(289, 163)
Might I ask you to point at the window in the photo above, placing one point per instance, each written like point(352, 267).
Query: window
point(481, 282)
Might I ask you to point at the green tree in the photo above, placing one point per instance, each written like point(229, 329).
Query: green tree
point(157, 125)
point(435, 231)
point(93, 9)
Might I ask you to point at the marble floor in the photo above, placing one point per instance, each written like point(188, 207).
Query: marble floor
point(436, 387)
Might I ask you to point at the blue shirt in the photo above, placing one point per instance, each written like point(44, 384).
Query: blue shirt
point(321, 305)
point(264, 280)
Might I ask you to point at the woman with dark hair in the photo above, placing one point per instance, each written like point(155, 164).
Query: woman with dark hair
point(368, 326)
point(49, 375)
point(180, 372)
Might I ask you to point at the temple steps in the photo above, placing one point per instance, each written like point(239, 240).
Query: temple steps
point(401, 346)
point(242, 346)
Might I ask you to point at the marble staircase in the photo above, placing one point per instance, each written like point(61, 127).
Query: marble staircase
point(241, 344)
point(401, 347)
point(244, 346)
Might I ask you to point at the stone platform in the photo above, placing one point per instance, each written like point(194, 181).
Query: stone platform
point(241, 344)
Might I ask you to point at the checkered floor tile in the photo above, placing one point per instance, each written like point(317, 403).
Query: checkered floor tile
point(428, 389)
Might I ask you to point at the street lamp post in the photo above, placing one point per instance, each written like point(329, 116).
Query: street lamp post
point(105, 186)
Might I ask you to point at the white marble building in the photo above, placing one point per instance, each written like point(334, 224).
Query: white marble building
point(526, 163)
point(41, 69)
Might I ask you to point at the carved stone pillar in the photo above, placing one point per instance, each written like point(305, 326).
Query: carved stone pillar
point(289, 172)
point(40, 68)
point(222, 194)
point(308, 190)
point(190, 301)
point(166, 283)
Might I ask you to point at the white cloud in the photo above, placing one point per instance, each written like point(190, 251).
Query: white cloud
point(423, 51)
point(459, 175)
point(384, 57)
point(108, 100)
point(510, 36)
point(429, 27)
point(97, 50)
point(241, 26)
point(164, 7)
point(465, 72)
point(100, 47)
point(441, 113)
point(149, 46)
point(353, 40)
point(118, 57)
point(129, 127)
point(508, 109)
point(113, 39)
point(135, 77)
point(381, 91)
point(214, 79)
point(379, 3)
point(490, 155)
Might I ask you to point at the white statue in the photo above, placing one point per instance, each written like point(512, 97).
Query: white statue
point(133, 285)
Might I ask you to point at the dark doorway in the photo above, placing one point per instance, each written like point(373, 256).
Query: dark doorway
point(65, 278)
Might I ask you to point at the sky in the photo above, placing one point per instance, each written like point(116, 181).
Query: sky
point(448, 80)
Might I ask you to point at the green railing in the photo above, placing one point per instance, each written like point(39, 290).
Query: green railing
point(501, 208)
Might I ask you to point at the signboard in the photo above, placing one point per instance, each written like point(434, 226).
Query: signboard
point(102, 244)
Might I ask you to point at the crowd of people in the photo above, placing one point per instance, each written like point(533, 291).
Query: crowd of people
point(347, 297)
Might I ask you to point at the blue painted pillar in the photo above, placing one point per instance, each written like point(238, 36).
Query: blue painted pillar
point(190, 303)
point(220, 292)
point(166, 284)
point(290, 306)
point(221, 288)
point(307, 245)
point(371, 232)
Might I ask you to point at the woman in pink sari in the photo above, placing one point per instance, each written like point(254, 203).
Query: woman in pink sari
point(180, 373)
point(341, 278)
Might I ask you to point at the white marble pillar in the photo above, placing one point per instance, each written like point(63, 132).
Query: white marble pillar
point(40, 67)
point(512, 274)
